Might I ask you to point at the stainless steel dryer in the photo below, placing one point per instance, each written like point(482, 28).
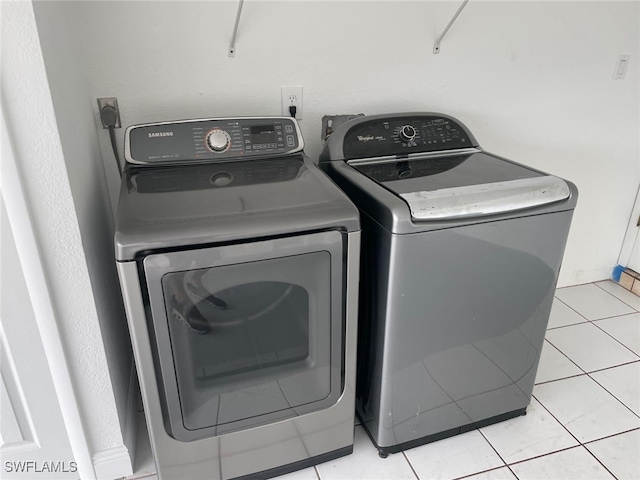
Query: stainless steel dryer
point(238, 261)
point(460, 257)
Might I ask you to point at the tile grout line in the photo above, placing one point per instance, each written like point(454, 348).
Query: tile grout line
point(610, 436)
point(485, 471)
point(571, 308)
point(558, 379)
point(410, 465)
point(603, 318)
point(566, 356)
point(315, 467)
point(546, 454)
point(614, 366)
point(497, 453)
point(615, 296)
point(600, 462)
point(556, 419)
point(581, 444)
point(603, 330)
point(567, 326)
point(606, 390)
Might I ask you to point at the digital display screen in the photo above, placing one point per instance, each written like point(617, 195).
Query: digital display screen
point(263, 134)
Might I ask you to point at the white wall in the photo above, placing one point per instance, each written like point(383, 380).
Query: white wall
point(65, 65)
point(532, 80)
point(60, 162)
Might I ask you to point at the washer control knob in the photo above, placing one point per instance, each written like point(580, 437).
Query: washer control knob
point(407, 133)
point(218, 140)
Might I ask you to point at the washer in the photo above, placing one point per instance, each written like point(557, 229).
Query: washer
point(238, 261)
point(460, 257)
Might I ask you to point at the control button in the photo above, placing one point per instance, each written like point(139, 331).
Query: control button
point(290, 141)
point(407, 133)
point(288, 128)
point(221, 179)
point(218, 140)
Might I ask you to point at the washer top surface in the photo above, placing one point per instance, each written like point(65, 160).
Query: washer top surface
point(434, 165)
point(174, 206)
point(447, 171)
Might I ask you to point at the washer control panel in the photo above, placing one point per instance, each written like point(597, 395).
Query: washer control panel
point(403, 135)
point(205, 140)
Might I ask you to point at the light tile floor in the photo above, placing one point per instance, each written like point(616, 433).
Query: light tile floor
point(583, 421)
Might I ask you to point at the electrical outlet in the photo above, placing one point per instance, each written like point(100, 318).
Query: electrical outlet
point(292, 97)
point(621, 67)
point(110, 102)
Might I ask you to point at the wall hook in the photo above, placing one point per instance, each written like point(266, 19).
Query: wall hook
point(436, 46)
point(232, 45)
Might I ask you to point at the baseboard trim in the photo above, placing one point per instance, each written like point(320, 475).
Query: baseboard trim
point(112, 463)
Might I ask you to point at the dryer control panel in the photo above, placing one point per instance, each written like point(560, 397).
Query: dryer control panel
point(206, 140)
point(402, 135)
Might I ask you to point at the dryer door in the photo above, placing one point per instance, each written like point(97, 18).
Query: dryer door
point(247, 334)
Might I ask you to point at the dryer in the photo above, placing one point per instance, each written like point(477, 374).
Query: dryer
point(238, 261)
point(460, 257)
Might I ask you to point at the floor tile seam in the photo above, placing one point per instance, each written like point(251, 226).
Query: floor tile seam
point(581, 284)
point(600, 462)
point(614, 366)
point(563, 378)
point(492, 447)
point(566, 356)
point(602, 329)
point(569, 325)
point(484, 471)
point(571, 308)
point(410, 465)
point(610, 436)
point(611, 318)
point(610, 393)
point(315, 468)
point(547, 454)
point(557, 420)
point(595, 439)
point(615, 296)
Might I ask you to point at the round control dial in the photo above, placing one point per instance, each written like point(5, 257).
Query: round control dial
point(218, 140)
point(407, 133)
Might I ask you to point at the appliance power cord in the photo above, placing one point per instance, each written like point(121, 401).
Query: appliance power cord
point(109, 117)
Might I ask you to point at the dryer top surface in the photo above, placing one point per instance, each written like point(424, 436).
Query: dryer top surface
point(179, 206)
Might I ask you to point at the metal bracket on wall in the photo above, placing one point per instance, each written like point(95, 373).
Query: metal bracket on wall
point(436, 46)
point(232, 45)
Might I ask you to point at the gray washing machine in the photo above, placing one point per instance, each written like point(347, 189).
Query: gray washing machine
point(460, 257)
point(238, 261)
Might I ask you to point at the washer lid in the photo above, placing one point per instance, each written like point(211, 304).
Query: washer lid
point(486, 199)
point(462, 185)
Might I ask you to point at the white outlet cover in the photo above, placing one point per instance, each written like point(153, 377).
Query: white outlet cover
point(621, 67)
point(287, 92)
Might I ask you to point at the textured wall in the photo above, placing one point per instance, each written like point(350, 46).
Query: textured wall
point(533, 81)
point(65, 65)
point(30, 115)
